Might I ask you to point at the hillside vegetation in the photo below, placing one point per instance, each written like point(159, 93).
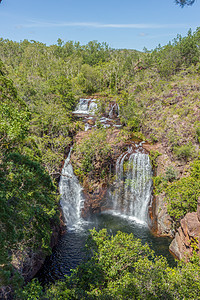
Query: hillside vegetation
point(158, 93)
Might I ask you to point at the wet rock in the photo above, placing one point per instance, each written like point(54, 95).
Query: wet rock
point(94, 201)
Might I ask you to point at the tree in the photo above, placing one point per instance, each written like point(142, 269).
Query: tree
point(120, 267)
point(182, 3)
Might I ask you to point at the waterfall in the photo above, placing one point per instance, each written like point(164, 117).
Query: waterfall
point(133, 187)
point(71, 195)
point(82, 107)
point(86, 106)
point(92, 107)
point(114, 110)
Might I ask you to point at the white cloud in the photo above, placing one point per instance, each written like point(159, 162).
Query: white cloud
point(32, 24)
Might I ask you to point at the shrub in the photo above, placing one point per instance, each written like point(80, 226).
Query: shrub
point(170, 174)
point(198, 134)
point(183, 194)
point(93, 154)
point(185, 152)
point(153, 157)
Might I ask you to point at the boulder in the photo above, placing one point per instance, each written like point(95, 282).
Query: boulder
point(187, 238)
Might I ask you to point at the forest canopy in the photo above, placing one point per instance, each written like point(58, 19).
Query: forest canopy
point(158, 96)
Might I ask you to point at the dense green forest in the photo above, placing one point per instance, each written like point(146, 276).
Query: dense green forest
point(158, 94)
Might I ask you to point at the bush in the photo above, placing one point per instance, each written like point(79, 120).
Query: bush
point(185, 152)
point(183, 194)
point(198, 134)
point(93, 155)
point(153, 157)
point(120, 267)
point(170, 174)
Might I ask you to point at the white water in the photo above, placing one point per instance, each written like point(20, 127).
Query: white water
point(114, 110)
point(71, 195)
point(133, 187)
point(86, 106)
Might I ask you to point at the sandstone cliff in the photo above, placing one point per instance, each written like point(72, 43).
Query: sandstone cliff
point(187, 238)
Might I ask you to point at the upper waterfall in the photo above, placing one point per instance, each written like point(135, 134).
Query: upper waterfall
point(86, 106)
point(89, 111)
point(71, 195)
point(133, 187)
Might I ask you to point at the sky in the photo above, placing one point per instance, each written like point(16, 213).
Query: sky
point(131, 24)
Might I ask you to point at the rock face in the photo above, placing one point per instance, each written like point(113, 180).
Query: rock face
point(161, 221)
point(29, 262)
point(198, 209)
point(187, 238)
point(94, 202)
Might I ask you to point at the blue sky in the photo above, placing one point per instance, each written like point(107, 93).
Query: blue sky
point(132, 24)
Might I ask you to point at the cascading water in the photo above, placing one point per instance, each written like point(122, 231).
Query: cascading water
point(82, 106)
point(128, 201)
point(93, 107)
point(71, 195)
point(132, 194)
point(114, 110)
point(86, 106)
point(133, 187)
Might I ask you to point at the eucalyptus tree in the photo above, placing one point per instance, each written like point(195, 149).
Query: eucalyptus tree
point(182, 3)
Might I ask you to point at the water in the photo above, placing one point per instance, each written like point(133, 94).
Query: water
point(128, 213)
point(87, 111)
point(71, 195)
point(68, 253)
point(86, 106)
point(114, 110)
point(132, 192)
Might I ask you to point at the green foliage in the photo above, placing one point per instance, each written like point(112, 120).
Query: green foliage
point(161, 182)
point(129, 112)
point(185, 152)
point(170, 174)
point(184, 51)
point(27, 195)
point(120, 267)
point(14, 116)
point(93, 155)
point(32, 291)
point(182, 195)
point(95, 53)
point(198, 133)
point(88, 78)
point(158, 184)
point(182, 3)
point(153, 155)
point(153, 90)
point(28, 203)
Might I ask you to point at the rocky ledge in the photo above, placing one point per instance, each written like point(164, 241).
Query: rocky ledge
point(187, 238)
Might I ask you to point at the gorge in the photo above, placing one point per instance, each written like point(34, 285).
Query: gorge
point(106, 181)
point(125, 207)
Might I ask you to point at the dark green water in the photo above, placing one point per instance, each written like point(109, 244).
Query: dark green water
point(68, 253)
